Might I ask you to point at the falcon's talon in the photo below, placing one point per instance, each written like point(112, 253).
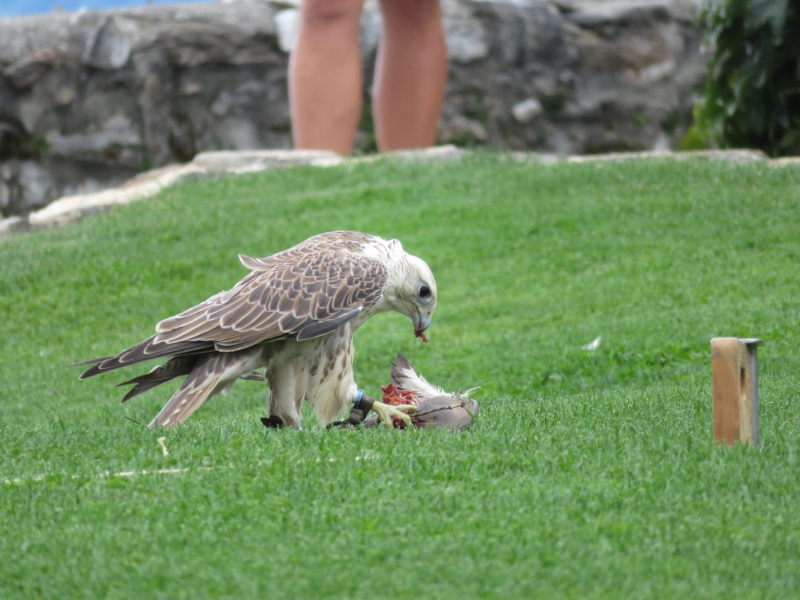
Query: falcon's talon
point(272, 422)
point(354, 419)
point(400, 411)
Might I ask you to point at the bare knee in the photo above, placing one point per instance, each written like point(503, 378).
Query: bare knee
point(331, 13)
point(411, 13)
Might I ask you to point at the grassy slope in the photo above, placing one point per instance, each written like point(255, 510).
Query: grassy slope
point(587, 473)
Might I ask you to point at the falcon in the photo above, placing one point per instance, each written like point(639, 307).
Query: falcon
point(294, 316)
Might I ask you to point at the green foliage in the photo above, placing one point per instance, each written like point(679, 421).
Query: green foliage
point(588, 474)
point(752, 97)
point(366, 128)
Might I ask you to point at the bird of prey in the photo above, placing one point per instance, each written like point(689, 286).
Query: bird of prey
point(294, 314)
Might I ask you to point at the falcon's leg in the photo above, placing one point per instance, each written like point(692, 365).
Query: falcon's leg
point(330, 384)
point(301, 383)
point(285, 387)
point(385, 412)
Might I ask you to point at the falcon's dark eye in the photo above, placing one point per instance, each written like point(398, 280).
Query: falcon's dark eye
point(424, 292)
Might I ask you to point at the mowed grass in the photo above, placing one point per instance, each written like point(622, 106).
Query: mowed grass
point(587, 474)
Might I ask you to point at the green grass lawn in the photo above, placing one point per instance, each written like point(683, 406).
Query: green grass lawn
point(587, 474)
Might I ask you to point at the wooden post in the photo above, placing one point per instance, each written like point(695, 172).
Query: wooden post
point(734, 382)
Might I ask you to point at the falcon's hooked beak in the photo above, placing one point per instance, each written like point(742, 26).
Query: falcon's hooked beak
point(421, 323)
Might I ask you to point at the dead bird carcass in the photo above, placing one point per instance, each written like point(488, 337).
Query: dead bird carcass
point(436, 408)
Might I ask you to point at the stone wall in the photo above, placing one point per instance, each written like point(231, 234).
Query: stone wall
point(88, 99)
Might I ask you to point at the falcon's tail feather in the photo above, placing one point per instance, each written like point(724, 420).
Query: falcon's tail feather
point(175, 367)
point(192, 394)
point(209, 374)
point(144, 350)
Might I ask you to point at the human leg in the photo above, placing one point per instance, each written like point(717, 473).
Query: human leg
point(410, 75)
point(325, 78)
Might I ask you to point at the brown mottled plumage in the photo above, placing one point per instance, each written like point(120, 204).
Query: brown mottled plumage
point(293, 314)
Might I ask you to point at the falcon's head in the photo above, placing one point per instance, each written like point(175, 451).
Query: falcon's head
point(411, 291)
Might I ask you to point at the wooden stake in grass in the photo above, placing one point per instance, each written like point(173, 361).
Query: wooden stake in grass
point(734, 378)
